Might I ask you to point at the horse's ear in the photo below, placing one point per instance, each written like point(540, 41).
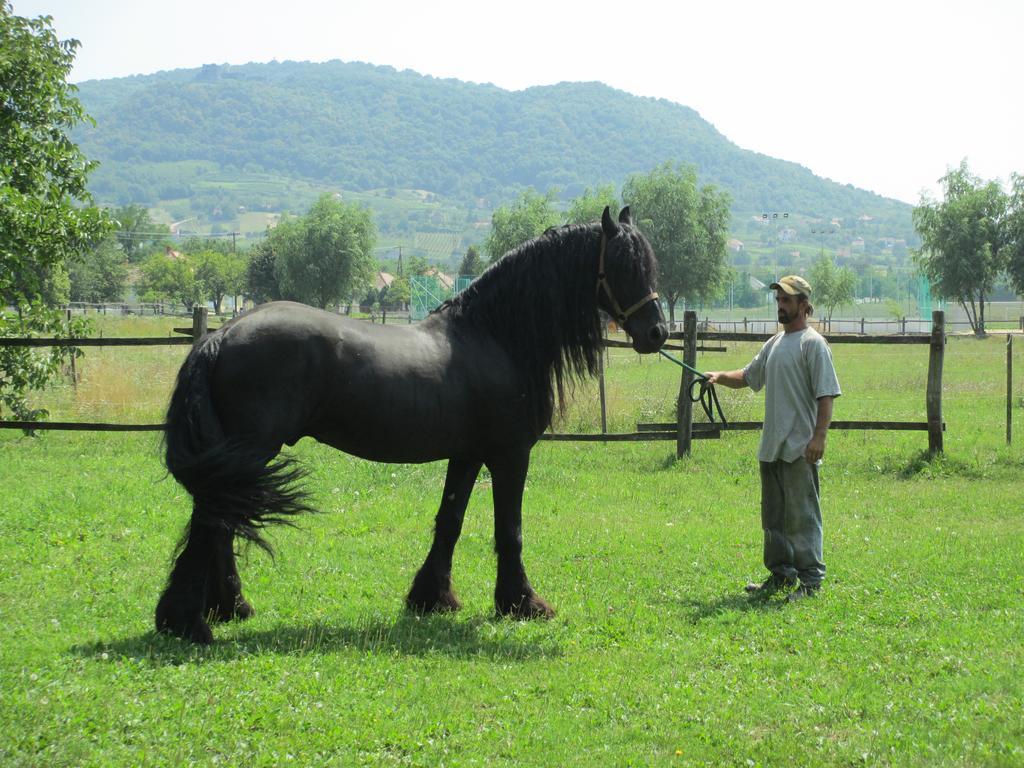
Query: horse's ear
point(610, 228)
point(624, 217)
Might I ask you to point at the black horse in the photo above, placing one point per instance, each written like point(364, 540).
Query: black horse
point(475, 383)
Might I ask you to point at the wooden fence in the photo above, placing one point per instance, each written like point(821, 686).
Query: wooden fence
point(198, 329)
point(683, 431)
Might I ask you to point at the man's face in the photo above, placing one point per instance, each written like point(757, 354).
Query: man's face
point(788, 306)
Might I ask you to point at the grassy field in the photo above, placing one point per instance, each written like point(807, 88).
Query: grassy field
point(912, 656)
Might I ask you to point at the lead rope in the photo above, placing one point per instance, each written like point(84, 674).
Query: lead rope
point(706, 396)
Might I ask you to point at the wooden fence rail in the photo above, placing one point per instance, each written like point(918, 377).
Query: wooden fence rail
point(119, 341)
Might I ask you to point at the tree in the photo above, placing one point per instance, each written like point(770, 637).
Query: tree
point(832, 287)
point(43, 174)
point(49, 285)
point(513, 225)
point(687, 227)
point(1015, 234)
point(589, 206)
point(326, 255)
point(964, 240)
point(171, 277)
point(220, 275)
point(396, 295)
point(417, 265)
point(101, 275)
point(136, 229)
point(46, 219)
point(472, 264)
point(261, 273)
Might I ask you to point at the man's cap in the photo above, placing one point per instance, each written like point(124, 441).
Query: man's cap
point(792, 284)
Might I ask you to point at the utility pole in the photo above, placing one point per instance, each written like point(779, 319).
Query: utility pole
point(774, 218)
point(822, 231)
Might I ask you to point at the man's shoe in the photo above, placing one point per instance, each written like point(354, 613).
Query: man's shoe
point(769, 586)
point(803, 591)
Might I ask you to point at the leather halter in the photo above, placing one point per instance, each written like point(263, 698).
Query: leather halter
point(621, 316)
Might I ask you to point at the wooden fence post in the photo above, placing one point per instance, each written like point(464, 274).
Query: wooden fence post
point(199, 322)
point(933, 395)
point(600, 383)
point(1009, 388)
point(684, 408)
point(74, 368)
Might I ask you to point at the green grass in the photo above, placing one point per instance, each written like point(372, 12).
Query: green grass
point(912, 656)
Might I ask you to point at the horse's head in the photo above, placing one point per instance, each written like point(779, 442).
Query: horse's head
point(626, 281)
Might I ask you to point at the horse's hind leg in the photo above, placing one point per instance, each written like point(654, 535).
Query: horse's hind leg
point(181, 610)
point(513, 595)
point(432, 588)
point(224, 600)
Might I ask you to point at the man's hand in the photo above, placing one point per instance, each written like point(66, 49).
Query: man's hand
point(815, 449)
point(731, 379)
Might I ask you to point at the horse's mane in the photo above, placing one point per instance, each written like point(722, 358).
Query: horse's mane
point(539, 301)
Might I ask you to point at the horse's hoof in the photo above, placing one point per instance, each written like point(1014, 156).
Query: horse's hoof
point(428, 594)
point(182, 620)
point(197, 631)
point(445, 602)
point(530, 606)
point(241, 611)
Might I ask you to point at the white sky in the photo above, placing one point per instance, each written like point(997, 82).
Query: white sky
point(881, 95)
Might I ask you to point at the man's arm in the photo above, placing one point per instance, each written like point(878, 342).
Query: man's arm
point(816, 448)
point(730, 379)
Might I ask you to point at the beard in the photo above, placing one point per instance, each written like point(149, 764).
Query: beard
point(785, 317)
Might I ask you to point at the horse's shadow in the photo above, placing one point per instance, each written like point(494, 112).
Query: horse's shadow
point(406, 634)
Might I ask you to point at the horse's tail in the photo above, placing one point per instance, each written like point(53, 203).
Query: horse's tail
point(234, 486)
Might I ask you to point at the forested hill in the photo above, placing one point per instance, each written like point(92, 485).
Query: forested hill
point(356, 126)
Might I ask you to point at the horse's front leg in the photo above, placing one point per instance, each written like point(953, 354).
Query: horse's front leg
point(513, 595)
point(432, 588)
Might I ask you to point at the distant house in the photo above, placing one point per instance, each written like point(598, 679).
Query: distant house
point(383, 280)
point(175, 226)
point(447, 282)
point(170, 253)
point(735, 245)
point(760, 288)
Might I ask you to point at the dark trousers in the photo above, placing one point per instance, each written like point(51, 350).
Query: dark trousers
point(791, 520)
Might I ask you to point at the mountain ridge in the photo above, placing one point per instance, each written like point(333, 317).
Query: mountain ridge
point(359, 126)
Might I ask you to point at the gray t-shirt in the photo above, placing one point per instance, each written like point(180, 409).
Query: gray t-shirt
point(795, 369)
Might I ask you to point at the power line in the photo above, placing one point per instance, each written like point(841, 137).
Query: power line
point(128, 235)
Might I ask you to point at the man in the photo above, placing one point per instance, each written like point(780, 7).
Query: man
point(795, 368)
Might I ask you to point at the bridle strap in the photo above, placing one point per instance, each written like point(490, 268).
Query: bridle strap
point(621, 316)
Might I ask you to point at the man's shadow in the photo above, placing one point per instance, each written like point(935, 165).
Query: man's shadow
point(701, 610)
